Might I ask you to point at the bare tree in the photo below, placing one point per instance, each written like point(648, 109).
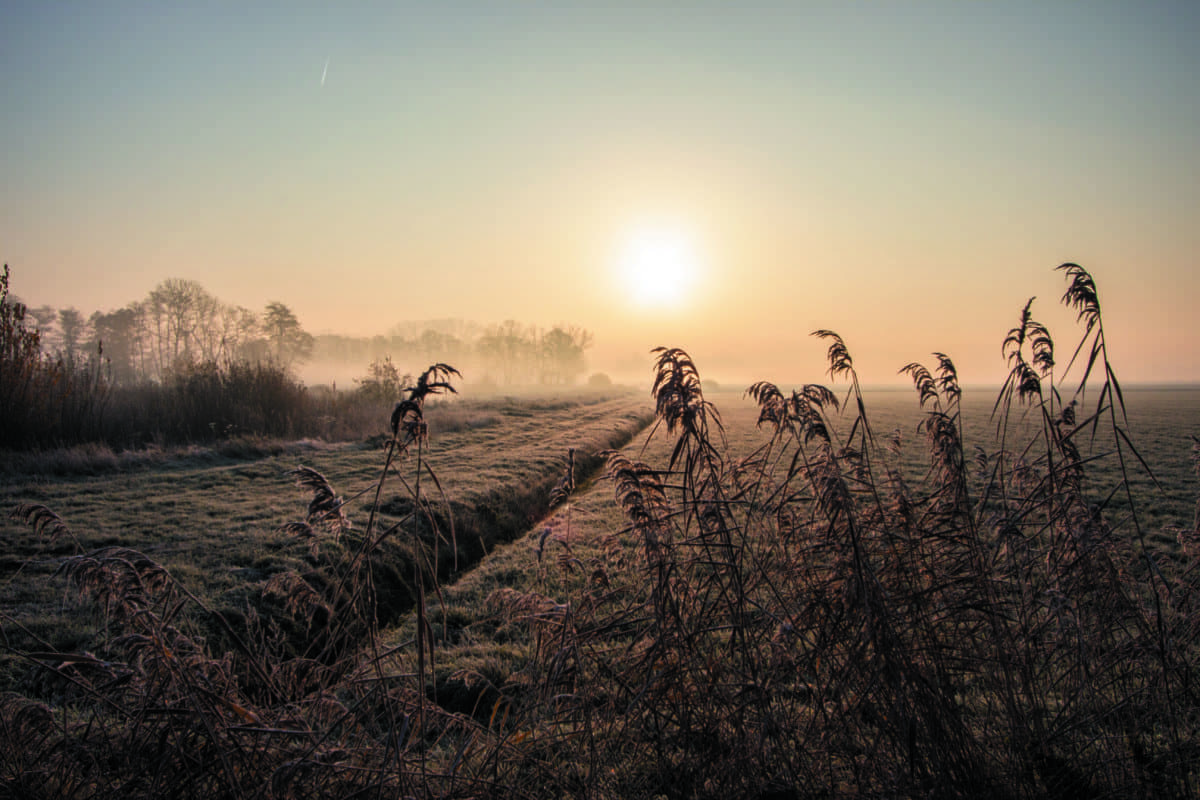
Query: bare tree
point(175, 310)
point(45, 322)
point(209, 334)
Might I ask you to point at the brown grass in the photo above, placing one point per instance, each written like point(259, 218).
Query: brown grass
point(804, 617)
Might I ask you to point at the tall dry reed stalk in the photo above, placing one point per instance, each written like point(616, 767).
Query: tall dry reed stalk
point(805, 622)
point(306, 708)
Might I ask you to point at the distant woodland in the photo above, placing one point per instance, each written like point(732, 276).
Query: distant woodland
point(180, 366)
point(179, 324)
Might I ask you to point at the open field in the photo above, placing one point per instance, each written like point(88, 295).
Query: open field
point(1162, 422)
point(249, 550)
point(731, 631)
point(555, 611)
point(214, 520)
point(495, 626)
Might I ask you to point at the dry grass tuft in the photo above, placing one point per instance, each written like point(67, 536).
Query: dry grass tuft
point(44, 522)
point(804, 621)
point(325, 507)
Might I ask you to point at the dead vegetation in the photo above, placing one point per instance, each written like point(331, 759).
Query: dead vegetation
point(802, 622)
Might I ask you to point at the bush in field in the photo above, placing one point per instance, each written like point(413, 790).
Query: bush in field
point(20, 366)
point(383, 383)
point(209, 401)
point(195, 403)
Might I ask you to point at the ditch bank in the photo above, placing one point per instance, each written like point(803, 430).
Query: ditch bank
point(461, 533)
point(447, 534)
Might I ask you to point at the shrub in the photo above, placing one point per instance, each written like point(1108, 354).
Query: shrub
point(383, 382)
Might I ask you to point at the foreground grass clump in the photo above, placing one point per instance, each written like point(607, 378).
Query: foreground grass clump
point(803, 622)
point(212, 516)
point(806, 620)
point(251, 640)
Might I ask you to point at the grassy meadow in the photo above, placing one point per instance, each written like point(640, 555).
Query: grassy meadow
point(212, 517)
point(811, 591)
point(504, 630)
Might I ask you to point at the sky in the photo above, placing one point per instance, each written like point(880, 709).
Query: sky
point(907, 174)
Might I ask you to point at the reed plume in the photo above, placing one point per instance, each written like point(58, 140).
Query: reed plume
point(325, 508)
point(44, 522)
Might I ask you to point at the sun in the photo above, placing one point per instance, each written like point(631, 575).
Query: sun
point(658, 265)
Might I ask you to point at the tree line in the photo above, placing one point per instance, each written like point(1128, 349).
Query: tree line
point(179, 325)
point(181, 366)
point(508, 353)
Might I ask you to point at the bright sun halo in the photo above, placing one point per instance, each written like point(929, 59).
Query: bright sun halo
point(657, 265)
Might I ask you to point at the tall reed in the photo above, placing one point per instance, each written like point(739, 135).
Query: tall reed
point(807, 622)
point(803, 621)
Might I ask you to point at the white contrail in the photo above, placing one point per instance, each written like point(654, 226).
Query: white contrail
point(325, 72)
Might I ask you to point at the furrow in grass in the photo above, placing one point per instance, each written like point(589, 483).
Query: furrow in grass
point(215, 527)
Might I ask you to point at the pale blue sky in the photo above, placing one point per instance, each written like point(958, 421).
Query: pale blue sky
point(905, 173)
